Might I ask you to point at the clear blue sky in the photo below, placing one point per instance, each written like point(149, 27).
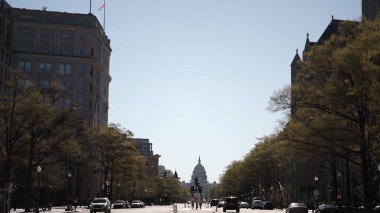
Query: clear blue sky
point(195, 76)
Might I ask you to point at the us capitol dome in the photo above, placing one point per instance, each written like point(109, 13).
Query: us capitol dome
point(200, 173)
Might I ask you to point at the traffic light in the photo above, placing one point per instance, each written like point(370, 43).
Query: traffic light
point(200, 189)
point(196, 182)
point(192, 190)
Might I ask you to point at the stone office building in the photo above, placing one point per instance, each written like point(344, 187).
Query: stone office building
point(308, 179)
point(68, 49)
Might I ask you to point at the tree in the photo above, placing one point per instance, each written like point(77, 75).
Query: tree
point(31, 129)
point(339, 85)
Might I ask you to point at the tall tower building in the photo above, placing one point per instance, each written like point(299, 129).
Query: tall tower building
point(370, 8)
point(71, 50)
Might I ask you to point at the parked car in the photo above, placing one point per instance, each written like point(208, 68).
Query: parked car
point(268, 205)
point(296, 208)
point(214, 202)
point(324, 208)
point(257, 204)
point(221, 203)
point(118, 204)
point(137, 204)
point(102, 204)
point(244, 205)
point(231, 203)
point(377, 208)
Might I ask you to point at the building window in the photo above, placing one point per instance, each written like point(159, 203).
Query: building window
point(92, 51)
point(26, 18)
point(82, 38)
point(66, 85)
point(44, 68)
point(67, 21)
point(91, 88)
point(82, 70)
point(80, 87)
point(45, 48)
point(64, 69)
point(90, 105)
point(67, 49)
point(46, 19)
point(80, 103)
point(45, 35)
point(25, 66)
point(66, 36)
point(82, 51)
point(26, 46)
point(92, 72)
point(44, 84)
point(26, 33)
point(64, 102)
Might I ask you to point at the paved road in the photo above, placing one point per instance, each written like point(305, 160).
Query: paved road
point(161, 209)
point(181, 208)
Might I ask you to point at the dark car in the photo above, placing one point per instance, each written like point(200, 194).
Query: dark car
point(268, 205)
point(327, 209)
point(296, 208)
point(231, 203)
point(214, 202)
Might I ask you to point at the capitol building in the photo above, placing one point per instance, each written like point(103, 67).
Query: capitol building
point(200, 173)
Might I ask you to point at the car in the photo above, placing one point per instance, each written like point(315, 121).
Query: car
point(377, 208)
point(268, 205)
point(119, 204)
point(221, 203)
point(101, 204)
point(231, 203)
point(296, 208)
point(257, 204)
point(137, 204)
point(324, 208)
point(244, 204)
point(214, 202)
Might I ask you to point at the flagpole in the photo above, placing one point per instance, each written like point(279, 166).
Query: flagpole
point(104, 16)
point(90, 7)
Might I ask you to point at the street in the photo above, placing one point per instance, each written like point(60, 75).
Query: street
point(181, 208)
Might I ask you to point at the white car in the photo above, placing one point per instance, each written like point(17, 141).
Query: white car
point(257, 204)
point(101, 204)
point(137, 204)
point(244, 205)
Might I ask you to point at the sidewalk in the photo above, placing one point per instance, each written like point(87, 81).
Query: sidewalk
point(53, 209)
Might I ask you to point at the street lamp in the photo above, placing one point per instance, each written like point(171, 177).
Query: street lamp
point(39, 169)
point(118, 190)
point(281, 191)
point(69, 175)
point(338, 193)
point(316, 188)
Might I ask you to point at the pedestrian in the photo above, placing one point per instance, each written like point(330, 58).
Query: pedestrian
point(14, 203)
point(75, 204)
